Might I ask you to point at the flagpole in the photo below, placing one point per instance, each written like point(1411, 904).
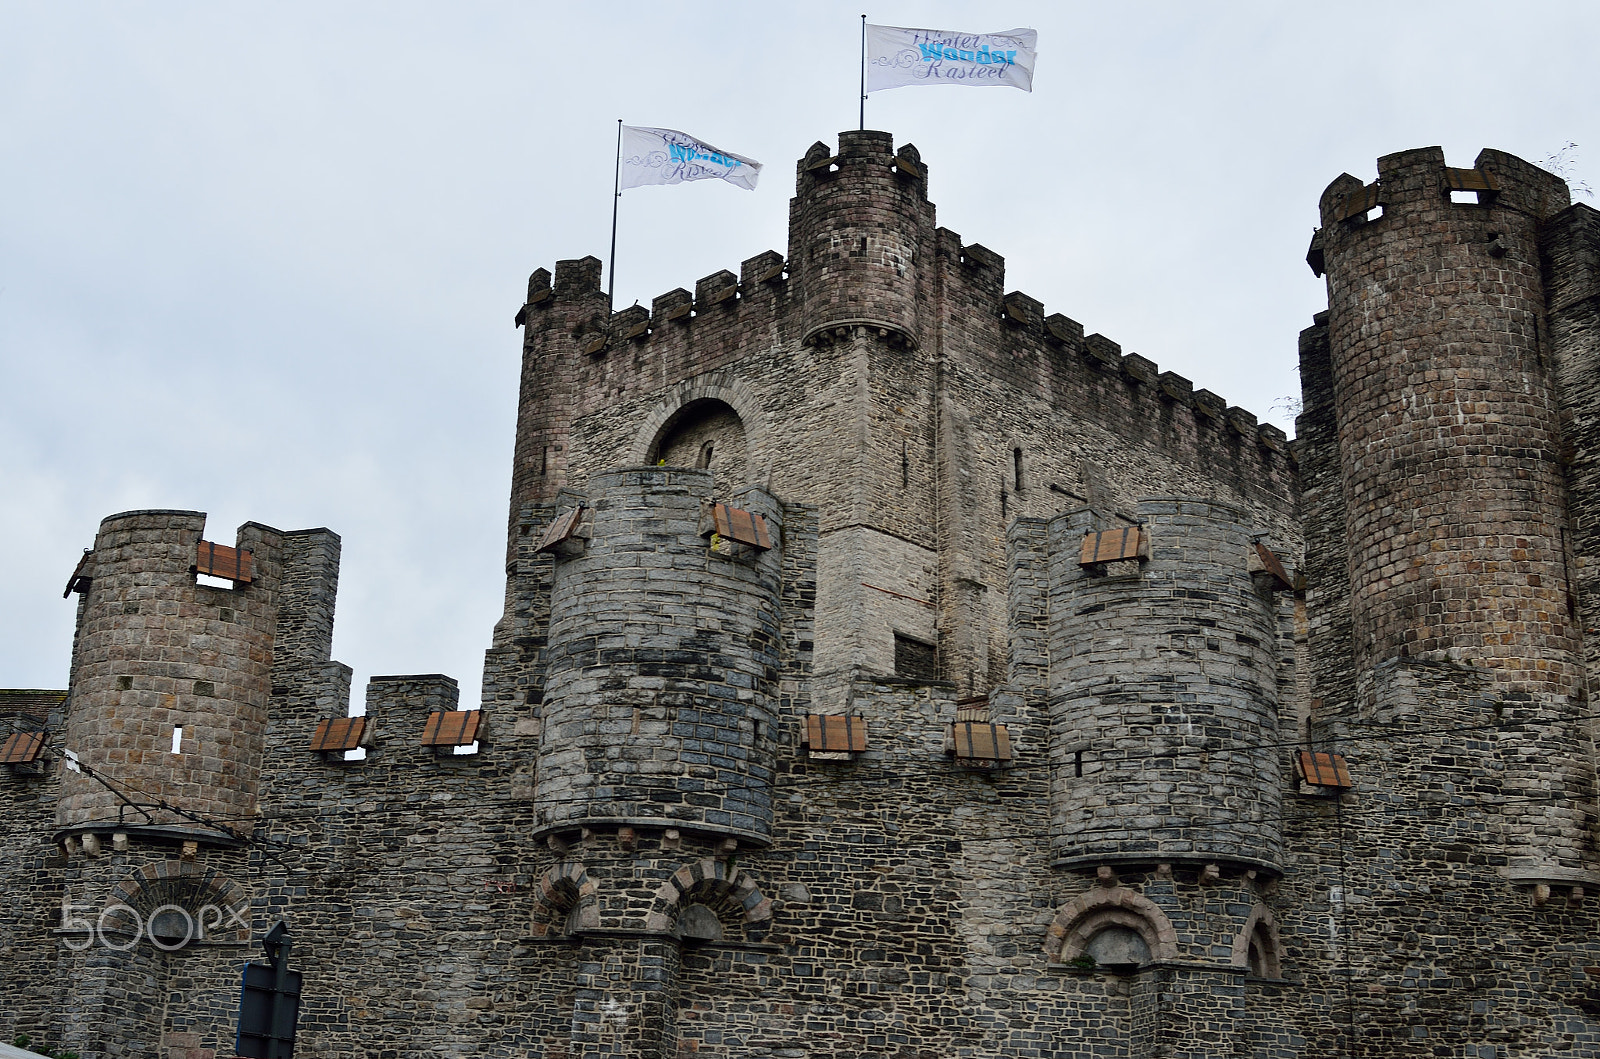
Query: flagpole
point(863, 71)
point(616, 200)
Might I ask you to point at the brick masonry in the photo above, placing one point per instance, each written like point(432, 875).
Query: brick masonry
point(641, 857)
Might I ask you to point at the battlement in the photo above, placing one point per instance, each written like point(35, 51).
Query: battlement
point(1418, 181)
point(171, 683)
point(868, 622)
point(867, 188)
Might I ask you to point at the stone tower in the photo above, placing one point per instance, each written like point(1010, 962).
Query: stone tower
point(1455, 509)
point(1131, 749)
point(166, 723)
point(1445, 508)
point(660, 696)
point(659, 740)
point(171, 683)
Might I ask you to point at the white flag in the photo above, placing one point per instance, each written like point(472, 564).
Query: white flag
point(897, 56)
point(667, 156)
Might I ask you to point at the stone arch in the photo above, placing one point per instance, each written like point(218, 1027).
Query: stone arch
point(704, 393)
point(1103, 908)
point(177, 903)
point(568, 901)
point(712, 884)
point(1257, 946)
point(708, 435)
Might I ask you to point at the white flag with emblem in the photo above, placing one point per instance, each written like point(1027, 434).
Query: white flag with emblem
point(667, 156)
point(897, 56)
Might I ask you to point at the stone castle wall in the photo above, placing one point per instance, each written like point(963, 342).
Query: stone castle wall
point(643, 855)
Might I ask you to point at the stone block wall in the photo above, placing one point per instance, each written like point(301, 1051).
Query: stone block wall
point(660, 693)
point(1448, 423)
point(159, 652)
point(1163, 693)
point(928, 450)
point(895, 386)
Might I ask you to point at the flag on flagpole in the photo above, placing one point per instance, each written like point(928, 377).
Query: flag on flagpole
point(667, 156)
point(898, 56)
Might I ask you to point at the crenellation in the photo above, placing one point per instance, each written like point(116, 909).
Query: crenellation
point(719, 288)
point(674, 305)
point(1139, 369)
point(1065, 330)
point(1208, 405)
point(630, 324)
point(1176, 388)
point(1104, 351)
point(1019, 310)
point(766, 267)
point(577, 277)
point(1240, 421)
point(1159, 728)
point(983, 268)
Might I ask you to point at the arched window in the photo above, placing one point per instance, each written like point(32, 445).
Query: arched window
point(708, 901)
point(1257, 947)
point(173, 905)
point(706, 434)
point(567, 902)
point(1114, 927)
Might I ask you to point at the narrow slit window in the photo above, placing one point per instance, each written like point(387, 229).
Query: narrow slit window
point(177, 739)
point(1016, 469)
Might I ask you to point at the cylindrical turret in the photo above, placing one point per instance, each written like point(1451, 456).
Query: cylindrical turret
point(860, 228)
point(1450, 441)
point(169, 700)
point(1448, 426)
point(1163, 694)
point(660, 694)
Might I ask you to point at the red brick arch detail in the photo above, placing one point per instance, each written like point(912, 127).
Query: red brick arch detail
point(713, 386)
point(705, 878)
point(1087, 914)
point(143, 887)
point(567, 896)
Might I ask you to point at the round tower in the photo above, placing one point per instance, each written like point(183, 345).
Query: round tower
point(169, 695)
point(660, 697)
point(1163, 695)
point(1447, 422)
point(860, 228)
point(1461, 597)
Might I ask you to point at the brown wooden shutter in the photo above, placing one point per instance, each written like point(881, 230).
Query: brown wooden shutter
point(1325, 770)
point(22, 748)
point(746, 527)
point(1274, 567)
point(455, 728)
point(564, 528)
point(338, 734)
point(836, 733)
point(219, 560)
point(1109, 546)
point(976, 741)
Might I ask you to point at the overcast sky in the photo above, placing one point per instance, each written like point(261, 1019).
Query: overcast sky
point(261, 260)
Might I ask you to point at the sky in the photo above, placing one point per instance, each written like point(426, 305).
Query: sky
point(262, 260)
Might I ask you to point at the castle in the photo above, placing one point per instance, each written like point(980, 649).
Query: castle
point(888, 669)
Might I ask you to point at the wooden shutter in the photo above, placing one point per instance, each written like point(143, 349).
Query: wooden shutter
point(455, 728)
